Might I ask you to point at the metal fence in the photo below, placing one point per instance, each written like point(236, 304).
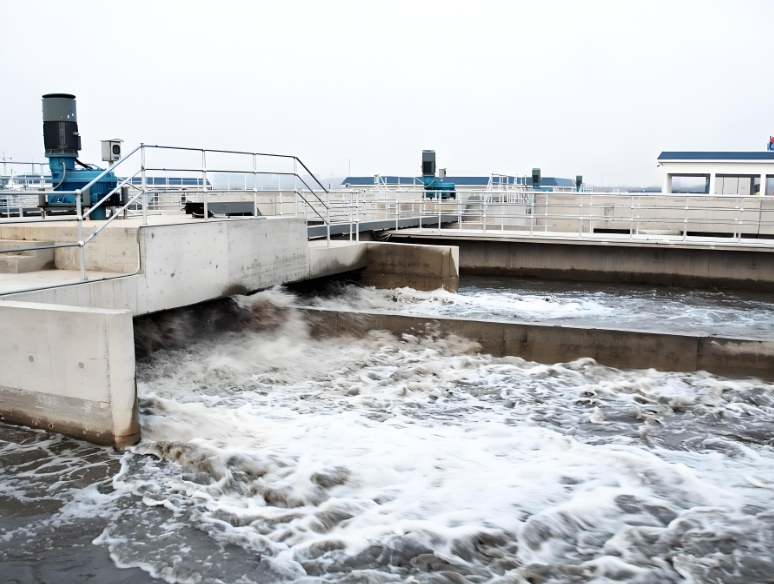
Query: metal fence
point(282, 185)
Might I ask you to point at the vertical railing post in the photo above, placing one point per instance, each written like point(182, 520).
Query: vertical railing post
point(531, 207)
point(741, 221)
point(439, 217)
point(255, 190)
point(631, 218)
point(483, 217)
point(685, 220)
point(396, 208)
point(580, 216)
point(328, 216)
point(79, 213)
point(144, 186)
point(591, 216)
point(204, 183)
point(637, 225)
point(545, 227)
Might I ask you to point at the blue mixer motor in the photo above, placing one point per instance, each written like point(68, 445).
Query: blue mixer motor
point(435, 187)
point(62, 142)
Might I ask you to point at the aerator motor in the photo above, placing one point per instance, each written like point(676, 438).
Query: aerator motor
point(435, 187)
point(62, 142)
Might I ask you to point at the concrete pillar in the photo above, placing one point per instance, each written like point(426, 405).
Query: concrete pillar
point(667, 188)
point(69, 370)
point(422, 267)
point(763, 184)
point(712, 183)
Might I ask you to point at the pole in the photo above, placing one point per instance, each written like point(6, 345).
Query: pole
point(255, 190)
point(144, 186)
point(204, 183)
point(79, 213)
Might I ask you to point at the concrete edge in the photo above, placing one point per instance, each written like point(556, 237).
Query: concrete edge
point(452, 237)
point(543, 343)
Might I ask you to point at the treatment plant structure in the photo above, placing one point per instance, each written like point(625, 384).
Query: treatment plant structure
point(86, 250)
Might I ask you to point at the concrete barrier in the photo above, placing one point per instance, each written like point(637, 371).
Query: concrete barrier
point(422, 267)
point(741, 267)
point(557, 344)
point(340, 256)
point(186, 263)
point(69, 370)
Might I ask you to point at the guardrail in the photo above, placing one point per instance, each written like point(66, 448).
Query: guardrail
point(690, 217)
point(135, 164)
point(293, 190)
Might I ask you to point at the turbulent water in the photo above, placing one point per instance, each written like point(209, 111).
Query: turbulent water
point(269, 456)
point(673, 310)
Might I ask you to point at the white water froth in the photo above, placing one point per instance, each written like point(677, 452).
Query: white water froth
point(389, 459)
point(272, 456)
point(639, 308)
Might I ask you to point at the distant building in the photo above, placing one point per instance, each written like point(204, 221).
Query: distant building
point(724, 173)
point(168, 182)
point(462, 183)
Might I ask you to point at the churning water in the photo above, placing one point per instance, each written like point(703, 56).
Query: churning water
point(661, 309)
point(269, 456)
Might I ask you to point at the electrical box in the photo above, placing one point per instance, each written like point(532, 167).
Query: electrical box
point(111, 150)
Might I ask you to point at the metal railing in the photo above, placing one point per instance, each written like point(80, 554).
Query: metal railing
point(134, 165)
point(611, 216)
point(599, 216)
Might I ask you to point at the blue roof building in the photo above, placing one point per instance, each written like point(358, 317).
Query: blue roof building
point(724, 173)
point(461, 182)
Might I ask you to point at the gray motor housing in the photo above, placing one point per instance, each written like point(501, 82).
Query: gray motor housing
point(60, 124)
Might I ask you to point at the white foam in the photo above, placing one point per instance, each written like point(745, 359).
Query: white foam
point(351, 444)
point(664, 310)
point(311, 454)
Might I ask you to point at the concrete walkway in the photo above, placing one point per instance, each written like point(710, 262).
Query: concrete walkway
point(568, 238)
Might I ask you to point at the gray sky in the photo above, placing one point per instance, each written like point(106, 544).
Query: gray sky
point(597, 88)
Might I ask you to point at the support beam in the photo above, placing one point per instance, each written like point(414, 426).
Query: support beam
point(712, 183)
point(667, 188)
point(763, 184)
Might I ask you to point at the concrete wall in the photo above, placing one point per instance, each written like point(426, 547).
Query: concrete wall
point(671, 265)
point(113, 250)
point(186, 263)
point(339, 257)
point(557, 344)
point(69, 370)
point(394, 265)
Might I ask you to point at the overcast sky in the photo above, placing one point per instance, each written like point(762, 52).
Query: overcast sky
point(597, 88)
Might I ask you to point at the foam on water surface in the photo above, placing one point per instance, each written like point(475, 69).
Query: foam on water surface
point(661, 309)
point(269, 456)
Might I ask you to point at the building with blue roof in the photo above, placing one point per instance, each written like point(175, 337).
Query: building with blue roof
point(724, 173)
point(547, 183)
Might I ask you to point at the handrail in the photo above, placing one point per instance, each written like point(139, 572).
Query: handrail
point(215, 151)
point(518, 210)
point(110, 194)
point(110, 169)
point(81, 214)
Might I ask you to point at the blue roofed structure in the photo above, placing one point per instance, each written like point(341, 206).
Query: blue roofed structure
point(465, 182)
point(722, 173)
point(694, 155)
point(169, 181)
